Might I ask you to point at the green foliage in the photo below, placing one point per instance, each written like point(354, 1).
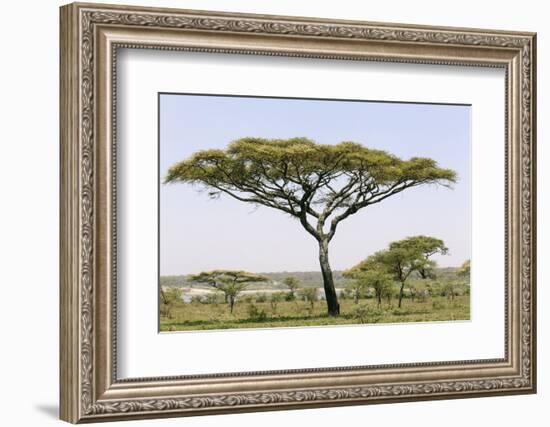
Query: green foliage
point(404, 257)
point(215, 278)
point(297, 176)
point(211, 316)
point(292, 283)
point(309, 295)
point(344, 294)
point(256, 314)
point(169, 298)
point(262, 297)
point(371, 275)
point(230, 282)
point(312, 182)
point(275, 299)
point(211, 299)
point(290, 296)
point(249, 161)
point(449, 289)
point(356, 289)
point(365, 313)
point(464, 270)
point(248, 298)
point(196, 299)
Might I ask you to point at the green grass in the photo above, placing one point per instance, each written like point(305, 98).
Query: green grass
point(199, 316)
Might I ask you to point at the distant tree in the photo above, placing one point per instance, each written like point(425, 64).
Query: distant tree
point(309, 295)
point(413, 292)
point(275, 299)
point(169, 297)
point(292, 283)
point(429, 246)
point(355, 286)
point(404, 257)
point(464, 270)
point(371, 274)
point(450, 289)
point(230, 282)
point(382, 284)
point(318, 184)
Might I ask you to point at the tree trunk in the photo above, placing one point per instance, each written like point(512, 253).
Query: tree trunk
point(401, 294)
point(231, 304)
point(328, 281)
point(379, 298)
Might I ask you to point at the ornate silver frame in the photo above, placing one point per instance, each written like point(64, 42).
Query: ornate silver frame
point(90, 36)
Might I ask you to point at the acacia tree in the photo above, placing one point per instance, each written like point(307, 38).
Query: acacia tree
point(230, 282)
point(370, 275)
point(169, 297)
point(404, 257)
point(464, 270)
point(429, 246)
point(356, 287)
point(318, 184)
point(309, 295)
point(292, 283)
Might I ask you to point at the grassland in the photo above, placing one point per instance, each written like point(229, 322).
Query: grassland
point(249, 313)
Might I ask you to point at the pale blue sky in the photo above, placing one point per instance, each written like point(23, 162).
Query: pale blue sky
point(198, 234)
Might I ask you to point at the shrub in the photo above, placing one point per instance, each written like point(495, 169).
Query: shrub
point(256, 314)
point(366, 314)
point(310, 295)
point(196, 299)
point(249, 298)
point(211, 299)
point(275, 299)
point(261, 297)
point(290, 296)
point(169, 298)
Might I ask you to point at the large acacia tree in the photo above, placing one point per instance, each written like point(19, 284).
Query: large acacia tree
point(318, 184)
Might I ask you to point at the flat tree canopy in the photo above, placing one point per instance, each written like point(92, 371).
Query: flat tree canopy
point(215, 278)
point(319, 184)
point(230, 282)
point(303, 178)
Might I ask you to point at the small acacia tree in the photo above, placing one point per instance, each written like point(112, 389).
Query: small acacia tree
point(169, 298)
point(464, 270)
point(372, 275)
point(230, 282)
point(318, 184)
point(404, 257)
point(429, 246)
point(355, 287)
point(309, 295)
point(292, 283)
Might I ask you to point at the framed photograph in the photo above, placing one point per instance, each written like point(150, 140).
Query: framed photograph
point(267, 212)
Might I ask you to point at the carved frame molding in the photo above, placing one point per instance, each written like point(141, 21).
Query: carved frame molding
point(90, 36)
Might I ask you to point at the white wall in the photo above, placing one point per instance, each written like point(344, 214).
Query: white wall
point(29, 170)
